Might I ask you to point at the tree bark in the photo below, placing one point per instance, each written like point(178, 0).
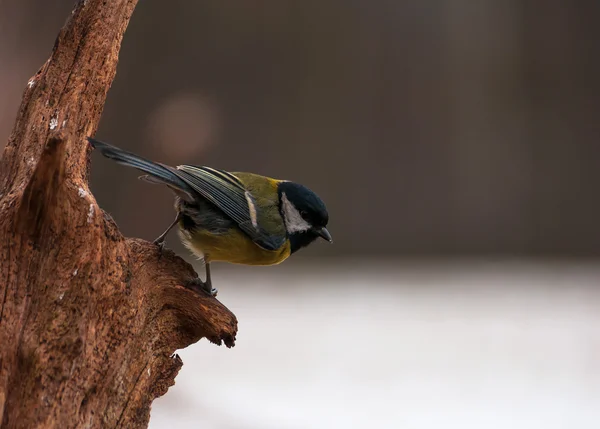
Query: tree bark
point(89, 320)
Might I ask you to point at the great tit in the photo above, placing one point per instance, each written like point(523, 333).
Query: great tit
point(241, 218)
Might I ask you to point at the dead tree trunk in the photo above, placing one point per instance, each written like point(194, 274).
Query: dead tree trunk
point(89, 320)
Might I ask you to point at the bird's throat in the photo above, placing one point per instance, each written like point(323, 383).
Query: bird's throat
point(298, 240)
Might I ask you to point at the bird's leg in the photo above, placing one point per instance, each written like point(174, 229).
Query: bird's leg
point(160, 240)
point(208, 282)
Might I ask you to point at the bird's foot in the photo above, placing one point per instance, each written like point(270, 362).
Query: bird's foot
point(199, 286)
point(160, 242)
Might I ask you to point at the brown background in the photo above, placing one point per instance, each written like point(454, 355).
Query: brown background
point(437, 128)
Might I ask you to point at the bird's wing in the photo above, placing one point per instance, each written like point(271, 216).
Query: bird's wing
point(229, 194)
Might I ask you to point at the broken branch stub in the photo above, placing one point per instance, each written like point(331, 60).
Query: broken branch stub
point(89, 320)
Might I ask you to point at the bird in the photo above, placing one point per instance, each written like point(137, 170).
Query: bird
point(234, 217)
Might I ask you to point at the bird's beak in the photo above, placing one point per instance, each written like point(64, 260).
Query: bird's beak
point(324, 234)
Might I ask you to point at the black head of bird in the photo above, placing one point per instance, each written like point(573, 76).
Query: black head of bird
point(241, 218)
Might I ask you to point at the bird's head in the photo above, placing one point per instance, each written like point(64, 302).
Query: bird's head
point(304, 214)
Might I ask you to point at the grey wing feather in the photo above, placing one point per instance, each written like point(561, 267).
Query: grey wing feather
point(228, 193)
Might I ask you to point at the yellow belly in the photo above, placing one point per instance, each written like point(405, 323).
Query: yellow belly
point(234, 247)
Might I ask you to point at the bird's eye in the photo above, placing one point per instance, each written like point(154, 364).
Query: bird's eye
point(303, 213)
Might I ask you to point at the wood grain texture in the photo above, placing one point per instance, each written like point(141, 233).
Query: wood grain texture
point(89, 320)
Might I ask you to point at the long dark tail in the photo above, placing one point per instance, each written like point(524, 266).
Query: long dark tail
point(162, 173)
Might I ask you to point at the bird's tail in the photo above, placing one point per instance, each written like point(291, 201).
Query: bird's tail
point(160, 173)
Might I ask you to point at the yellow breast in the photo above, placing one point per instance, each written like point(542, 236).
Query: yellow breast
point(234, 247)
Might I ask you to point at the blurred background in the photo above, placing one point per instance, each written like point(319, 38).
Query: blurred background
point(456, 144)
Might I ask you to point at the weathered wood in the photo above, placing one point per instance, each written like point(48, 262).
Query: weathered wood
point(89, 320)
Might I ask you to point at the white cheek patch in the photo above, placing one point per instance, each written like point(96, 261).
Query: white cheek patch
point(294, 222)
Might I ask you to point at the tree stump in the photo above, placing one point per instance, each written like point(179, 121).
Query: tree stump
point(89, 320)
